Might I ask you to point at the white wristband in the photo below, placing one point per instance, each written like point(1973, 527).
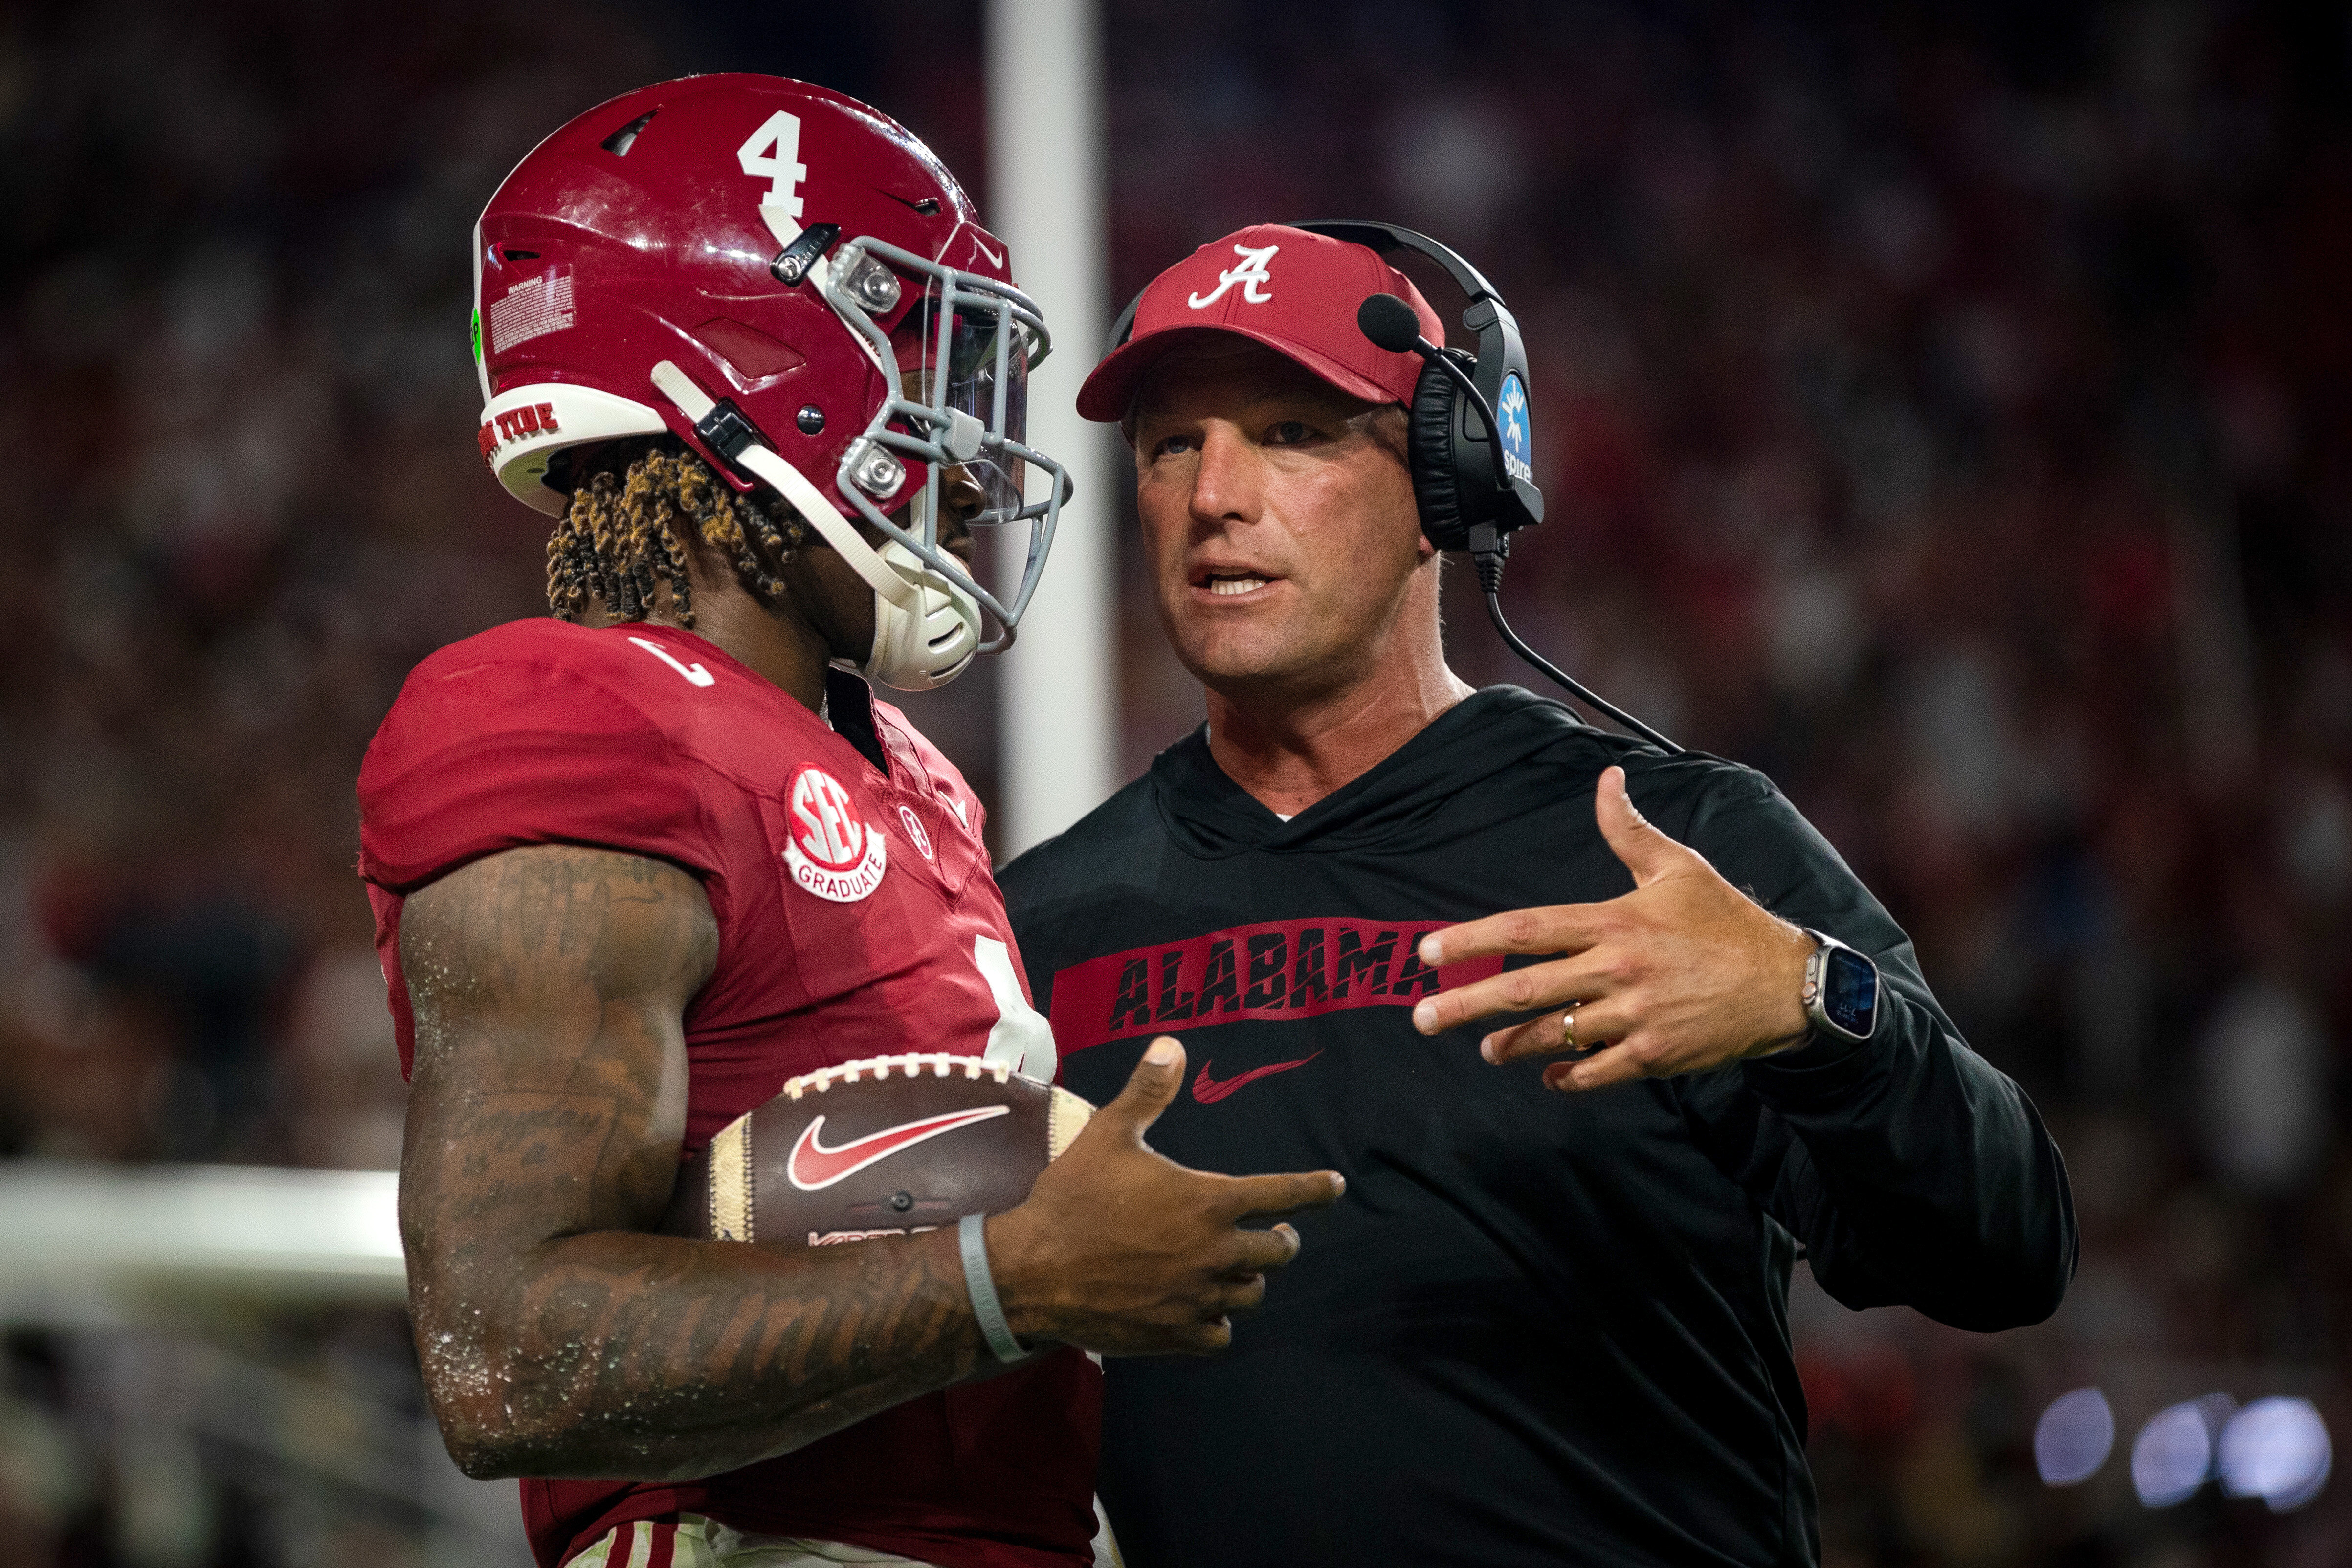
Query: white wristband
point(972, 1237)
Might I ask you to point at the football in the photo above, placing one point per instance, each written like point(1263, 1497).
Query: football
point(885, 1146)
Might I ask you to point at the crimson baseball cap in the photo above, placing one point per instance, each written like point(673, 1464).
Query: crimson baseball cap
point(1293, 291)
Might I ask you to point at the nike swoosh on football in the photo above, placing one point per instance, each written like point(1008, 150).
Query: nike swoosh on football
point(811, 1165)
point(1208, 1091)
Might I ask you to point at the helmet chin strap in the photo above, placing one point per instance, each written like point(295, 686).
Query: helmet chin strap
point(917, 650)
point(926, 630)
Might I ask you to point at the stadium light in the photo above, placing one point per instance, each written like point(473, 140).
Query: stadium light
point(2173, 1455)
point(2074, 1437)
point(2276, 1449)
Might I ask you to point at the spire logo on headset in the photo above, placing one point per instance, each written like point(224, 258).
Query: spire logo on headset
point(1518, 447)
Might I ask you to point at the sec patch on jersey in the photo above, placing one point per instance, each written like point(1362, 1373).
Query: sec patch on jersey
point(887, 1146)
point(833, 850)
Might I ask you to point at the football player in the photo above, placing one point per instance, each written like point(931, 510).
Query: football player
point(745, 340)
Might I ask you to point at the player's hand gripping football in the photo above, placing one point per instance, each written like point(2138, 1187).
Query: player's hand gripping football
point(1125, 1252)
point(1682, 973)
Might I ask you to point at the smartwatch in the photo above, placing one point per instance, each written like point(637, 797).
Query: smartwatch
point(1841, 993)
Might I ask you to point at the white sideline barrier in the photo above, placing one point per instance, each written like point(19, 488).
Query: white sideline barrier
point(88, 1242)
point(149, 1275)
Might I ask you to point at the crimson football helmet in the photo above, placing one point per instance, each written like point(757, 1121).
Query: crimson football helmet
point(796, 286)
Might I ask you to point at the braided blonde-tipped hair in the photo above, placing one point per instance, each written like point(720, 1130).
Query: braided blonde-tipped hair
point(621, 532)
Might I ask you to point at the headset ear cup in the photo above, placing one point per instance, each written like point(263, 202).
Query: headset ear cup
point(1430, 441)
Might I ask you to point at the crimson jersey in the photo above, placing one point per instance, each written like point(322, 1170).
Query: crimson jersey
point(857, 917)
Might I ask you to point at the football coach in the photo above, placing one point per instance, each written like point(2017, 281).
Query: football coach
point(1604, 1037)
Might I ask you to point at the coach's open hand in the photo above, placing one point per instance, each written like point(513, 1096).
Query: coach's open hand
point(1682, 973)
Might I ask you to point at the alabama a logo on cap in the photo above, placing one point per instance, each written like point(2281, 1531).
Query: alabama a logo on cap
point(830, 849)
point(1251, 273)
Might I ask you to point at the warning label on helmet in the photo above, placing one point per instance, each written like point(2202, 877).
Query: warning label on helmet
point(531, 309)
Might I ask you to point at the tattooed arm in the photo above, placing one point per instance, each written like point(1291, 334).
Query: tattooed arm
point(549, 1090)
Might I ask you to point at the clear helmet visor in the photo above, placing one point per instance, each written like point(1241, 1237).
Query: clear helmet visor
point(953, 442)
point(975, 361)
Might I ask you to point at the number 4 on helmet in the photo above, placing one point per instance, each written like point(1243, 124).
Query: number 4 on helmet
point(796, 289)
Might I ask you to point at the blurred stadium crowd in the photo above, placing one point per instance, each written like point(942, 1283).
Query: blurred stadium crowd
point(1942, 412)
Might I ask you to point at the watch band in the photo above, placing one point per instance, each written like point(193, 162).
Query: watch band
point(972, 1240)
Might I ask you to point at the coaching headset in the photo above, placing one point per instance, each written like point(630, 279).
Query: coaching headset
point(1473, 472)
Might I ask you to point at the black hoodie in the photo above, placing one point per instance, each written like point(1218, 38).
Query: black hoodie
point(1539, 1328)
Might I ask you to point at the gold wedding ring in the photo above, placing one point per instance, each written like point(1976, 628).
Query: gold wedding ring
point(1568, 1027)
